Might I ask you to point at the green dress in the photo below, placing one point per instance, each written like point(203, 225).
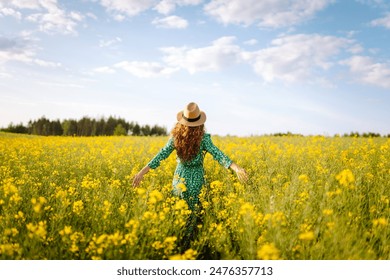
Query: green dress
point(191, 173)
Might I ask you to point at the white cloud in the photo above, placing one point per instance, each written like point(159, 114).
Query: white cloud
point(384, 21)
point(168, 6)
point(109, 43)
point(295, 58)
point(128, 7)
point(367, 71)
point(119, 17)
point(171, 22)
point(122, 8)
point(91, 15)
point(10, 12)
point(76, 16)
point(221, 54)
point(105, 70)
point(45, 63)
point(142, 69)
point(5, 75)
point(251, 42)
point(7, 44)
point(21, 50)
point(54, 23)
point(56, 20)
point(267, 13)
point(290, 58)
point(46, 13)
point(26, 4)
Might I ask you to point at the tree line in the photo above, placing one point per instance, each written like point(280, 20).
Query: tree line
point(85, 126)
point(351, 134)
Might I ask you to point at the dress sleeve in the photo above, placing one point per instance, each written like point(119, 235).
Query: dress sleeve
point(219, 156)
point(162, 154)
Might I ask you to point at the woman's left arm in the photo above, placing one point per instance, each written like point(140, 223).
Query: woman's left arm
point(155, 162)
point(138, 178)
point(162, 154)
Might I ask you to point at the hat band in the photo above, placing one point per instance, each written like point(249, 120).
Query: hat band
point(191, 120)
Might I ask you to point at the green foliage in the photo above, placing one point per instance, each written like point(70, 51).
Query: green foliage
point(85, 127)
point(120, 130)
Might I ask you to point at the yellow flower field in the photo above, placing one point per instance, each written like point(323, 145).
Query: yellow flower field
point(307, 198)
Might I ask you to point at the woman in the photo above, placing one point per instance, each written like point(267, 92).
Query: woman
point(191, 144)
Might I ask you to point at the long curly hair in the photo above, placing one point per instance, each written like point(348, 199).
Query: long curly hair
point(187, 140)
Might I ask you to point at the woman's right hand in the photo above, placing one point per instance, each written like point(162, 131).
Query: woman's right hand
point(241, 173)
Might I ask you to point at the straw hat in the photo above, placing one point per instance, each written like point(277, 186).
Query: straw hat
point(191, 115)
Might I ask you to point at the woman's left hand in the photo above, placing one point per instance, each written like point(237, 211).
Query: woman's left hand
point(138, 178)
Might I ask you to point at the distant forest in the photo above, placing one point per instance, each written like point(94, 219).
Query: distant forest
point(351, 134)
point(116, 126)
point(85, 127)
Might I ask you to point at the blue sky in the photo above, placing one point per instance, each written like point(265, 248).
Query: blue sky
point(254, 67)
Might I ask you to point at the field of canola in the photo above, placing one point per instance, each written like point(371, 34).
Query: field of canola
point(307, 198)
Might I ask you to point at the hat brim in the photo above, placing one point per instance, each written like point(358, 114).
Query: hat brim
point(199, 122)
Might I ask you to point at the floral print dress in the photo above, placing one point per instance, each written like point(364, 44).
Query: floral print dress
point(191, 173)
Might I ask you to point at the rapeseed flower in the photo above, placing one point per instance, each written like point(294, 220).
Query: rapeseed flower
point(327, 212)
point(141, 191)
point(303, 178)
point(9, 187)
point(37, 230)
point(380, 222)
point(306, 236)
point(189, 254)
point(78, 207)
point(11, 232)
point(268, 252)
point(123, 208)
point(346, 178)
point(66, 231)
point(154, 197)
point(76, 182)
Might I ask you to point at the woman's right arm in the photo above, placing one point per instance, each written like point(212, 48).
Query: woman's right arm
point(224, 159)
point(241, 173)
point(217, 154)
